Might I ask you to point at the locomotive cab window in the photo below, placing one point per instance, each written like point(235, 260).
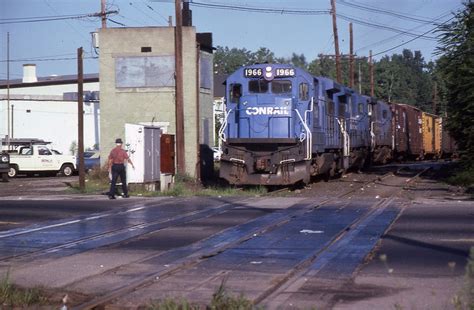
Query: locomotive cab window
point(304, 91)
point(330, 107)
point(258, 86)
point(235, 92)
point(342, 105)
point(281, 86)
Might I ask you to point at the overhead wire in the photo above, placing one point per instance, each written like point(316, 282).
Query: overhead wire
point(157, 12)
point(386, 12)
point(413, 39)
point(22, 20)
point(143, 12)
point(235, 7)
point(396, 36)
point(381, 26)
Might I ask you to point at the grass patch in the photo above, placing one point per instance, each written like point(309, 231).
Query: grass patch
point(465, 300)
point(221, 300)
point(462, 176)
point(97, 182)
point(12, 296)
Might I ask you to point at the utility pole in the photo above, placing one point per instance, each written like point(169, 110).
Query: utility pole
point(371, 66)
point(8, 88)
point(103, 14)
point(336, 41)
point(360, 80)
point(351, 57)
point(179, 110)
point(80, 118)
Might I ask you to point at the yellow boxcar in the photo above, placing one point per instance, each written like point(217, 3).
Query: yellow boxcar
point(438, 136)
point(428, 129)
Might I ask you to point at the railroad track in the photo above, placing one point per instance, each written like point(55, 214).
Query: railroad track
point(106, 237)
point(197, 253)
point(193, 255)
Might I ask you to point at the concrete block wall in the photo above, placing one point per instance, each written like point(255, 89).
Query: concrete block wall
point(147, 104)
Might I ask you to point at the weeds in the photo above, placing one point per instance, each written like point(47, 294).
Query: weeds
point(171, 304)
point(97, 181)
point(465, 300)
point(221, 300)
point(12, 296)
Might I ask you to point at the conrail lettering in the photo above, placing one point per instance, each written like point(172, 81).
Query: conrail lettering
point(267, 111)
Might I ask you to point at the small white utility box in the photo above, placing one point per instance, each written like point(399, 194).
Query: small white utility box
point(143, 145)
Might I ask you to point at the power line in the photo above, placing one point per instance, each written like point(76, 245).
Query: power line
point(259, 9)
point(143, 12)
point(395, 36)
point(48, 59)
point(386, 12)
point(152, 9)
point(380, 26)
point(22, 20)
point(404, 43)
point(295, 11)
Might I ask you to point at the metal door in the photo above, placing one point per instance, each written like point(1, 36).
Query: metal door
point(167, 154)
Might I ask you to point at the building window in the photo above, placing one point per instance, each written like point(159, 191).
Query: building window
point(154, 71)
point(146, 49)
point(205, 70)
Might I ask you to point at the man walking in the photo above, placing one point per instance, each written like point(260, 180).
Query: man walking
point(116, 165)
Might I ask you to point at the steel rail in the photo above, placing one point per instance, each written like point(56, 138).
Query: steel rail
point(202, 251)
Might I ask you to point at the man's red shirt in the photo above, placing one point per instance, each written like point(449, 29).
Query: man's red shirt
point(118, 155)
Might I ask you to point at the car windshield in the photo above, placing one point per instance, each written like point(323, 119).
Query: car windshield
point(88, 154)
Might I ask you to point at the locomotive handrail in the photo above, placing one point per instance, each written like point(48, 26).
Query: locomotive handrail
point(309, 137)
point(372, 136)
point(291, 160)
point(346, 142)
point(224, 125)
point(237, 160)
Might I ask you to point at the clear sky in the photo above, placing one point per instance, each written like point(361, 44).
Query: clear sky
point(52, 45)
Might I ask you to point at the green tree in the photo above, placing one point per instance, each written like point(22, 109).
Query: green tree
point(228, 60)
point(263, 55)
point(457, 67)
point(404, 78)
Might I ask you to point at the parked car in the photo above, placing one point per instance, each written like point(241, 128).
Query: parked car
point(91, 160)
point(38, 158)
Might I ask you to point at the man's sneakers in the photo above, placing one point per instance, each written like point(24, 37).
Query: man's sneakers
point(126, 196)
point(111, 197)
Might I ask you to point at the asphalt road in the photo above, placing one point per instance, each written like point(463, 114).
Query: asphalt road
point(418, 263)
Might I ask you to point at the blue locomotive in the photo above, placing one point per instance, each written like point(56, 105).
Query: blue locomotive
point(283, 125)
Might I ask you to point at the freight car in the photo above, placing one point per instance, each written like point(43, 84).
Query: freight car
point(282, 126)
point(430, 150)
